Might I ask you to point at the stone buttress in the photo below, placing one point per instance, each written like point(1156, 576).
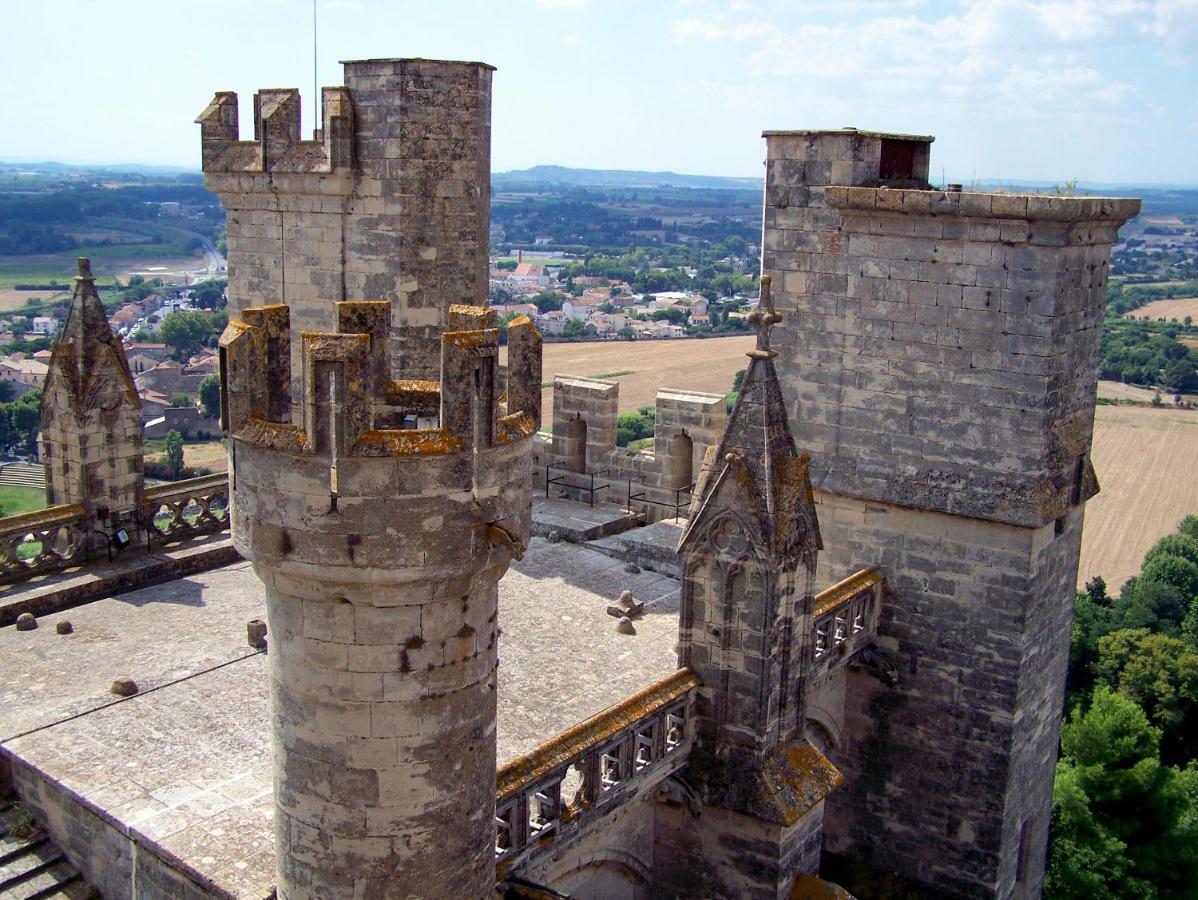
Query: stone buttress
point(91, 413)
point(940, 363)
point(389, 200)
point(380, 518)
point(748, 559)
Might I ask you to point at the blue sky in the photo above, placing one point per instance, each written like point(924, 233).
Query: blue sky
point(1048, 90)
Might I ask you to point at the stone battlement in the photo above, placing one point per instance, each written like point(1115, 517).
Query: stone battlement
point(277, 146)
point(353, 407)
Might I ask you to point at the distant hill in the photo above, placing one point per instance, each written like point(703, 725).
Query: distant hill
point(561, 175)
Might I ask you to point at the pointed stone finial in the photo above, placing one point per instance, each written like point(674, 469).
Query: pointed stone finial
point(85, 270)
point(763, 318)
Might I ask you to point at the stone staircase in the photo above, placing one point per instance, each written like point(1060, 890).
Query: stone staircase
point(31, 865)
point(23, 474)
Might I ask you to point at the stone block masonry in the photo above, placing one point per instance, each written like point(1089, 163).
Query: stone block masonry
point(381, 546)
point(390, 200)
point(939, 357)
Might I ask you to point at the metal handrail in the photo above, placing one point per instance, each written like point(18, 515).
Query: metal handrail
point(549, 482)
point(643, 496)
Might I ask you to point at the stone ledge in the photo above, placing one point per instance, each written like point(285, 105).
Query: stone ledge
point(126, 575)
point(1029, 207)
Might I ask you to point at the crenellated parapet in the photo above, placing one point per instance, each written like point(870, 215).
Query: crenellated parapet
point(351, 404)
point(277, 146)
point(388, 200)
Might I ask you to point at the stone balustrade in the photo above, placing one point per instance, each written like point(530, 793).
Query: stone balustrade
point(551, 793)
point(43, 541)
point(844, 619)
point(187, 508)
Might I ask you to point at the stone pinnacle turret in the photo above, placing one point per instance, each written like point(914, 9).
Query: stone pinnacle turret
point(91, 413)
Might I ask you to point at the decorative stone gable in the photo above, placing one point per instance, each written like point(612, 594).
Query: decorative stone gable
point(91, 414)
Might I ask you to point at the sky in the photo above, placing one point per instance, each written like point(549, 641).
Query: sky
point(1098, 91)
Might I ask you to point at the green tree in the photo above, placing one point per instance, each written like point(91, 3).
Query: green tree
point(180, 401)
point(174, 454)
point(186, 331)
point(210, 396)
point(1178, 544)
point(1160, 673)
point(1175, 570)
point(574, 329)
point(1123, 824)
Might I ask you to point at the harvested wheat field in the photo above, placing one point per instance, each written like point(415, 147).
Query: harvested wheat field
point(642, 368)
point(1167, 309)
point(1145, 463)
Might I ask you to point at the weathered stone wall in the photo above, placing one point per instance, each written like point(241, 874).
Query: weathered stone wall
point(942, 771)
point(381, 547)
point(585, 414)
point(939, 356)
point(391, 202)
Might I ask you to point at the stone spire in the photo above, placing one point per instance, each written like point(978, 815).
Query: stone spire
point(757, 460)
point(91, 413)
point(748, 559)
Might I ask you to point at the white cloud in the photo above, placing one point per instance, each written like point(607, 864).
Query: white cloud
point(991, 57)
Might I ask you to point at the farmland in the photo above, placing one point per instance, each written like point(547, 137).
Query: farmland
point(1172, 310)
point(1143, 455)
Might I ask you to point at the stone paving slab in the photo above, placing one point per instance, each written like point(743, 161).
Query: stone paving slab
point(155, 635)
point(185, 766)
point(652, 547)
point(579, 522)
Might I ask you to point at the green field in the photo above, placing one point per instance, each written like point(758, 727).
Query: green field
point(15, 500)
point(41, 273)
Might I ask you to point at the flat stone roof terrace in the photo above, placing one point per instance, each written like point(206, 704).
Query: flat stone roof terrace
point(184, 767)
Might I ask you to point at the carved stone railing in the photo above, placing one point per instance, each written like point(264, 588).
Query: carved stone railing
point(844, 619)
point(187, 508)
point(549, 794)
point(42, 541)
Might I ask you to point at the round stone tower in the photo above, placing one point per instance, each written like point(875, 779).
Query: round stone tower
point(380, 524)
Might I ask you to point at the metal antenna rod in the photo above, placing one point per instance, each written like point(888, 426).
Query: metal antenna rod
point(316, 110)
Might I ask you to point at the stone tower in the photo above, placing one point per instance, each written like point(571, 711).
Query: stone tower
point(941, 368)
point(748, 559)
point(389, 200)
point(380, 546)
point(91, 413)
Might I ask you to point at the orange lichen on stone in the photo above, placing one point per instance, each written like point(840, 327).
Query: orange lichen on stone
point(415, 395)
point(324, 345)
point(275, 436)
point(406, 442)
point(797, 778)
point(463, 317)
point(469, 340)
point(812, 887)
point(572, 743)
point(843, 591)
point(514, 427)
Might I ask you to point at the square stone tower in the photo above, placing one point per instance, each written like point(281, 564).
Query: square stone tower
point(390, 200)
point(939, 355)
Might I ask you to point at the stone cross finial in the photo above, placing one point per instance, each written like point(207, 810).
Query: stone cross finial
point(763, 318)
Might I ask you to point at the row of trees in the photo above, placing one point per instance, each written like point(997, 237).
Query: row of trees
point(1150, 354)
point(1125, 806)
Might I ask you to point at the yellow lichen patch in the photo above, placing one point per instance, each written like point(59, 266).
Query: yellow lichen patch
point(275, 436)
point(469, 340)
point(515, 427)
point(321, 345)
point(558, 751)
point(797, 778)
point(463, 317)
point(412, 394)
point(811, 887)
point(406, 442)
point(843, 591)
